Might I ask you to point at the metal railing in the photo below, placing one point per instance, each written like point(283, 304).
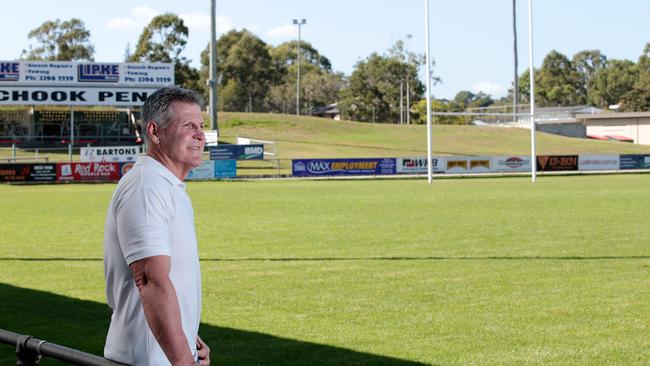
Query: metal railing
point(30, 350)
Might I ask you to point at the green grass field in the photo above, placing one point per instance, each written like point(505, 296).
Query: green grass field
point(490, 271)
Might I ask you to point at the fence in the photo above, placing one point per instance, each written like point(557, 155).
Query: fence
point(30, 350)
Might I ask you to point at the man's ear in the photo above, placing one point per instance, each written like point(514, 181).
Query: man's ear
point(152, 132)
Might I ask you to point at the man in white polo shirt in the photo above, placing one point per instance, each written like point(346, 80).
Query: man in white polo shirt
point(151, 263)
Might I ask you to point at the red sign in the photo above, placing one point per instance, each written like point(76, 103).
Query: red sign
point(88, 171)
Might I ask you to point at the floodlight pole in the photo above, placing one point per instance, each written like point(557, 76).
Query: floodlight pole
point(299, 24)
point(428, 77)
point(533, 156)
point(213, 66)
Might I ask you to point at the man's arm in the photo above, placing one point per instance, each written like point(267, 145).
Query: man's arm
point(161, 307)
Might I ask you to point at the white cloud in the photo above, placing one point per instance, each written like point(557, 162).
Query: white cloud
point(144, 12)
point(120, 23)
point(196, 20)
point(282, 31)
point(224, 24)
point(488, 87)
point(140, 16)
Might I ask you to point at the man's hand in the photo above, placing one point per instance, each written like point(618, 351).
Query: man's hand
point(203, 352)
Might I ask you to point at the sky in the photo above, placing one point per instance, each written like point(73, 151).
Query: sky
point(471, 41)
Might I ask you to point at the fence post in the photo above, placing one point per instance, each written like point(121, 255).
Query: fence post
point(13, 151)
point(24, 356)
point(70, 152)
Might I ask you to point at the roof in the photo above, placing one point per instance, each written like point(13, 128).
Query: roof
point(617, 115)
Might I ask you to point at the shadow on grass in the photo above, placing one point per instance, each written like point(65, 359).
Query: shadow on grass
point(392, 258)
point(82, 325)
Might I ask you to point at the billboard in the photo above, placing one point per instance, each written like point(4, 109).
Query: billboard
point(225, 168)
point(69, 73)
point(88, 171)
point(634, 162)
point(237, 152)
point(555, 163)
point(504, 164)
point(64, 95)
point(28, 172)
point(598, 162)
point(342, 167)
point(203, 171)
point(118, 154)
point(456, 165)
point(419, 165)
point(479, 164)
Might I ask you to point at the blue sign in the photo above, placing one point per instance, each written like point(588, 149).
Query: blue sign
point(225, 168)
point(99, 72)
point(9, 71)
point(329, 167)
point(635, 162)
point(237, 152)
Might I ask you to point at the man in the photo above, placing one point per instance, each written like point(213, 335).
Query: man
point(151, 263)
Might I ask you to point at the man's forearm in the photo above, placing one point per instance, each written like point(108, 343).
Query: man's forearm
point(163, 315)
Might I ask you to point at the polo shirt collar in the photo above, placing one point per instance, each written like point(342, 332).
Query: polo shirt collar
point(154, 164)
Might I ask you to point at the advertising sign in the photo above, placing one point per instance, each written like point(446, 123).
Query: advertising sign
point(70, 73)
point(48, 95)
point(479, 164)
point(456, 165)
point(555, 163)
point(519, 163)
point(119, 154)
point(27, 172)
point(125, 167)
point(419, 165)
point(88, 171)
point(225, 168)
point(634, 162)
point(203, 171)
point(340, 167)
point(598, 162)
point(237, 152)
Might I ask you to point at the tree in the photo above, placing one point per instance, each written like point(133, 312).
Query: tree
point(244, 68)
point(163, 40)
point(587, 64)
point(558, 82)
point(616, 79)
point(374, 87)
point(60, 41)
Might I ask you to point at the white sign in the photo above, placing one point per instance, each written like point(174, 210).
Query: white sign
point(598, 162)
point(419, 165)
point(520, 163)
point(113, 154)
point(77, 73)
point(73, 96)
point(211, 138)
point(203, 171)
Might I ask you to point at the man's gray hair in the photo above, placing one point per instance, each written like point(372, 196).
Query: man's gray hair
point(156, 106)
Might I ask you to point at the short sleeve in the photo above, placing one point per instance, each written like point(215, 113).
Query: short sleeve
point(143, 220)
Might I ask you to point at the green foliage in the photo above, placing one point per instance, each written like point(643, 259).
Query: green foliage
point(163, 40)
point(614, 81)
point(558, 83)
point(373, 93)
point(588, 64)
point(60, 41)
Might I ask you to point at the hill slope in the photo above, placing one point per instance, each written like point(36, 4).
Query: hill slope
point(311, 137)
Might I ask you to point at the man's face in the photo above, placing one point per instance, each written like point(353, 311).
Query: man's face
point(183, 140)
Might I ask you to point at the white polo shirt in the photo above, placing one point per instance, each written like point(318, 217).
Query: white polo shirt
point(150, 214)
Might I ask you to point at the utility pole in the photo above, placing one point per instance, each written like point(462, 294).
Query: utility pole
point(515, 95)
point(299, 24)
point(408, 103)
point(401, 102)
point(213, 67)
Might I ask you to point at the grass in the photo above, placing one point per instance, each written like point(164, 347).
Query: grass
point(396, 272)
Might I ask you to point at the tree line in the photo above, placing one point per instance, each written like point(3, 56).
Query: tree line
point(257, 77)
